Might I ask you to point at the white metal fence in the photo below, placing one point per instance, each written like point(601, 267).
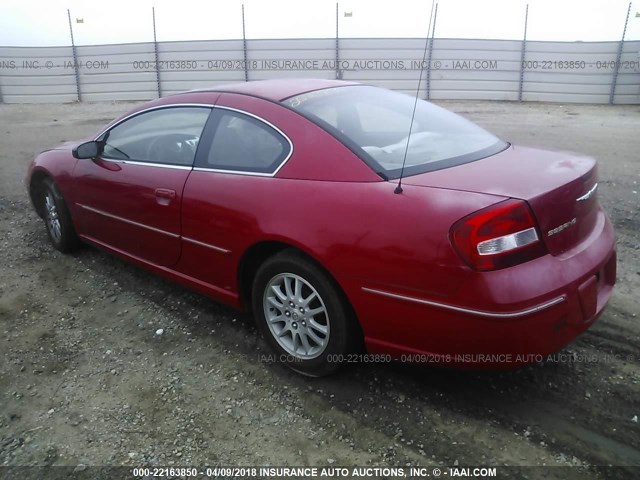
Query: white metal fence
point(586, 72)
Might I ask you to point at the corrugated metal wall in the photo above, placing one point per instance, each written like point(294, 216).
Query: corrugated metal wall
point(458, 69)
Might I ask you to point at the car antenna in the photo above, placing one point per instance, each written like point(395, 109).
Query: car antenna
point(398, 188)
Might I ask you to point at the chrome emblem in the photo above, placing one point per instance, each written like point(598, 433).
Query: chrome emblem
point(562, 227)
point(588, 195)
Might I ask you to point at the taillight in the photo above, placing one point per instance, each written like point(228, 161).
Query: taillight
point(497, 237)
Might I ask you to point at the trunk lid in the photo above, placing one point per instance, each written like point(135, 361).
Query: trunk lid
point(560, 188)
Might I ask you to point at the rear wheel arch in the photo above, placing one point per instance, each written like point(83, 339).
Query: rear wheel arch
point(256, 255)
point(319, 311)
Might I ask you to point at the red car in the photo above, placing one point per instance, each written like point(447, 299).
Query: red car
point(283, 197)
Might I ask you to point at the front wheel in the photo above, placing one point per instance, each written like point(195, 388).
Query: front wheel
point(302, 314)
point(57, 218)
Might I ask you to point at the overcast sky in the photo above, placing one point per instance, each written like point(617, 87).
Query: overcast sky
point(44, 22)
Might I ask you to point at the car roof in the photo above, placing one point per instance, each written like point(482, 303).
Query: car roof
point(276, 90)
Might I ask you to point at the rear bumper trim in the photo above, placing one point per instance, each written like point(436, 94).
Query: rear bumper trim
point(479, 313)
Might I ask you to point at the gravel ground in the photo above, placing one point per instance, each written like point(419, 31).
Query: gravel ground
point(85, 378)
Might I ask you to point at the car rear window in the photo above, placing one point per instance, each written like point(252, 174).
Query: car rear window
point(375, 123)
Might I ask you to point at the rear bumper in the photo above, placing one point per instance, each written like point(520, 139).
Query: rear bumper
point(519, 315)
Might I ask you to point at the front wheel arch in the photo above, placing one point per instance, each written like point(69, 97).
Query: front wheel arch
point(36, 186)
point(49, 198)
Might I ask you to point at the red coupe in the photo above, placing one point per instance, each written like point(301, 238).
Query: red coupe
point(283, 197)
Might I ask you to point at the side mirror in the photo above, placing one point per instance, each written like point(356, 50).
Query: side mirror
point(87, 150)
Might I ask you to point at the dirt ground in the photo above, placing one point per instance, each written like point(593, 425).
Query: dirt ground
point(85, 379)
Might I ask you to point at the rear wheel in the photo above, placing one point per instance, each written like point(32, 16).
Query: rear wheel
point(302, 314)
point(57, 218)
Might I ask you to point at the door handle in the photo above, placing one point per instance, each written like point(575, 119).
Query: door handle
point(164, 195)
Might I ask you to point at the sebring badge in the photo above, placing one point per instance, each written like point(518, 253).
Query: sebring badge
point(562, 227)
point(573, 221)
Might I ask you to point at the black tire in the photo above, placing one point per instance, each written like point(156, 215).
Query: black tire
point(342, 330)
point(57, 218)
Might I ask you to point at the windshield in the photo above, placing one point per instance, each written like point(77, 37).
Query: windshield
point(375, 122)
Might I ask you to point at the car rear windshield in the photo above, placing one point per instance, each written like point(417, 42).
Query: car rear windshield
point(374, 123)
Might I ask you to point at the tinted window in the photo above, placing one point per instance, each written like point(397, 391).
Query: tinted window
point(375, 122)
point(245, 144)
point(168, 136)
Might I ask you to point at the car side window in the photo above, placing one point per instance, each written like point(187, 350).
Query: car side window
point(243, 143)
point(166, 136)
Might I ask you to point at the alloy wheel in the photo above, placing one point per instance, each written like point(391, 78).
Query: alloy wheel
point(52, 218)
point(296, 316)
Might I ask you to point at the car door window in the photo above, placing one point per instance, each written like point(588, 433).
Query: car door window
point(166, 136)
point(243, 143)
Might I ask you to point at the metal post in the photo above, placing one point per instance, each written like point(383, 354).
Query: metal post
point(75, 58)
point(155, 51)
point(618, 56)
point(433, 34)
point(0, 92)
point(338, 72)
point(244, 47)
point(524, 51)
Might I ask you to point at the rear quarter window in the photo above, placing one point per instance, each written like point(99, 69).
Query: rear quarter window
point(243, 143)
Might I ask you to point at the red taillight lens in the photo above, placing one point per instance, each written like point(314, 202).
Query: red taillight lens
point(497, 237)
